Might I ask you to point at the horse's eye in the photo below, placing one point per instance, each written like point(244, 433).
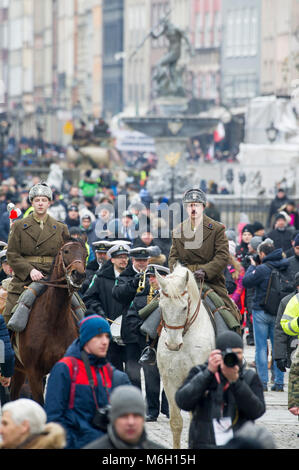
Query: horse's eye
point(66, 252)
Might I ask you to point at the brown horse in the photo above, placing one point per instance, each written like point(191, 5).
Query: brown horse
point(51, 326)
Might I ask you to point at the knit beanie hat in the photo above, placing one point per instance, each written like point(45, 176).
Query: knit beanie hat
point(255, 241)
point(296, 240)
point(229, 339)
point(91, 326)
point(248, 228)
point(126, 399)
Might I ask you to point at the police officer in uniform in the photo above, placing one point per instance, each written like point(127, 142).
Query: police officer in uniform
point(99, 299)
point(32, 245)
point(200, 244)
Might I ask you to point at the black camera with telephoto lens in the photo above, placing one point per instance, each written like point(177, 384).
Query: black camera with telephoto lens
point(230, 358)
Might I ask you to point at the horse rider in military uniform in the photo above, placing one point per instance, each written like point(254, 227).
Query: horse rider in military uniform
point(200, 244)
point(33, 243)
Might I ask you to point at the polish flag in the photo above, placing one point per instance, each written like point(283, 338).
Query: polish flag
point(219, 132)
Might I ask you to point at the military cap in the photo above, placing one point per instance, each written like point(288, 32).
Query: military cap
point(121, 242)
point(127, 214)
point(117, 250)
point(140, 253)
point(102, 246)
point(150, 270)
point(3, 257)
point(195, 195)
point(40, 189)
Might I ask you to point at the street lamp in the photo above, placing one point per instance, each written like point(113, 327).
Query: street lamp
point(172, 159)
point(272, 133)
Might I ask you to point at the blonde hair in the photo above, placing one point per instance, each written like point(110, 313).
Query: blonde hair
point(235, 264)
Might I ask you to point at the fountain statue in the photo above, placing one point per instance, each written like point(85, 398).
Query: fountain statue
point(170, 125)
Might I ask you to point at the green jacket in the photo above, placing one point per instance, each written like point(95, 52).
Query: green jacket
point(26, 239)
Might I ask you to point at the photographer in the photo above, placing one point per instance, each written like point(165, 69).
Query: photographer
point(126, 427)
point(264, 322)
point(221, 394)
point(72, 400)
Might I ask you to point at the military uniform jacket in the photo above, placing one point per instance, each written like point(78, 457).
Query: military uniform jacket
point(211, 253)
point(26, 239)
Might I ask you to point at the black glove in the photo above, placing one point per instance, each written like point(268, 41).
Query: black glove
point(298, 321)
point(200, 275)
point(281, 364)
point(136, 280)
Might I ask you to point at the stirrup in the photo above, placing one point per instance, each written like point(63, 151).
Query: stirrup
point(148, 356)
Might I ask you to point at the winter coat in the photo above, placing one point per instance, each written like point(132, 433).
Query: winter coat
point(282, 342)
point(281, 238)
point(132, 320)
point(275, 205)
point(236, 296)
point(211, 254)
point(77, 421)
point(53, 437)
point(112, 441)
point(258, 276)
point(292, 269)
point(98, 296)
point(7, 368)
point(242, 401)
point(27, 239)
point(125, 293)
point(293, 389)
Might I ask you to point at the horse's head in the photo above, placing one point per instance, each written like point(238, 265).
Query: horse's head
point(176, 304)
point(73, 255)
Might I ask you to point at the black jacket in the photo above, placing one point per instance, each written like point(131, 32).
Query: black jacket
point(98, 296)
point(7, 368)
point(284, 344)
point(281, 238)
point(125, 292)
point(243, 401)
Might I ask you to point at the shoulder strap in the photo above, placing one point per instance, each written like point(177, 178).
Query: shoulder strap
point(73, 366)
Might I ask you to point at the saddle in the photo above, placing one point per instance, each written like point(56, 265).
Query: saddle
point(23, 307)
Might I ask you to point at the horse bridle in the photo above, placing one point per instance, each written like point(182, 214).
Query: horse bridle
point(188, 321)
point(66, 269)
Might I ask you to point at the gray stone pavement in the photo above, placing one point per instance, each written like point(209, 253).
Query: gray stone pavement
point(277, 419)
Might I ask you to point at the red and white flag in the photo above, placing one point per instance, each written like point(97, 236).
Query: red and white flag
point(219, 132)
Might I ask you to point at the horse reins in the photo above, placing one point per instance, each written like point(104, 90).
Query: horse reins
point(55, 282)
point(187, 323)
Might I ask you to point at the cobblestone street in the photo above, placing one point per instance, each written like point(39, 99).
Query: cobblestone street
point(277, 419)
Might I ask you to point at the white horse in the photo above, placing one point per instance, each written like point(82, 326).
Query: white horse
point(186, 339)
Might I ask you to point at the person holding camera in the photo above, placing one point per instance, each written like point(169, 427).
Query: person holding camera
point(126, 428)
point(80, 384)
point(263, 321)
point(221, 394)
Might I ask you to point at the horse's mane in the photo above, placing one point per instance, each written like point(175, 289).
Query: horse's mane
point(176, 276)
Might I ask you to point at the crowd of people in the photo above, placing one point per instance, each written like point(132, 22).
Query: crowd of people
point(127, 244)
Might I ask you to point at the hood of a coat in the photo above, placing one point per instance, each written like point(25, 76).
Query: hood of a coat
point(276, 259)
